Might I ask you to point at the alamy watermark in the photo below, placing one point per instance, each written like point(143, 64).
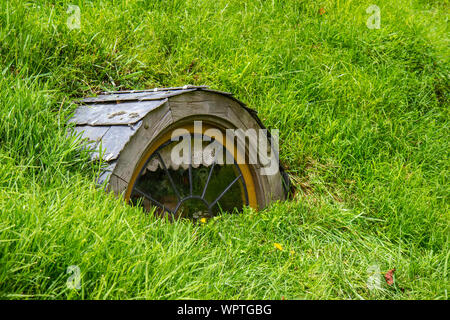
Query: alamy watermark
point(256, 147)
point(374, 21)
point(374, 277)
point(74, 19)
point(74, 280)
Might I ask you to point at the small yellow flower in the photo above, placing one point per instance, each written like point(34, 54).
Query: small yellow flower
point(203, 220)
point(292, 252)
point(278, 246)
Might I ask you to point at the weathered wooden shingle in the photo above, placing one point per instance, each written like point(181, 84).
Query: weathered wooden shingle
point(115, 140)
point(134, 96)
point(91, 136)
point(114, 114)
point(106, 140)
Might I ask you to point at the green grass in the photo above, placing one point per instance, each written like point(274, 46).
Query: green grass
point(363, 118)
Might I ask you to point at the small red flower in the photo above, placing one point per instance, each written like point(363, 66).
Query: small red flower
point(389, 277)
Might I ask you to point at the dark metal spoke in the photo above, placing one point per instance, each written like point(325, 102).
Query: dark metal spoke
point(190, 168)
point(168, 175)
point(209, 178)
point(150, 198)
point(242, 177)
point(225, 191)
point(245, 189)
point(192, 197)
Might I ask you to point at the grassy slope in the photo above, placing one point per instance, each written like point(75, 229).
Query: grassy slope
point(363, 116)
